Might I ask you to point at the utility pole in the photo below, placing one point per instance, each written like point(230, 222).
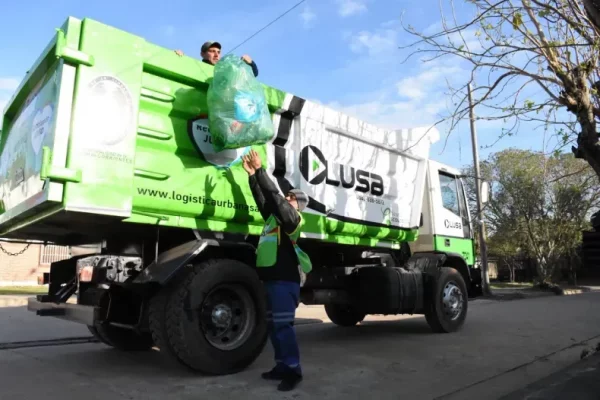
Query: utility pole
point(485, 276)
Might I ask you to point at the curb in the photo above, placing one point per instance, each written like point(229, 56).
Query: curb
point(511, 296)
point(570, 292)
point(14, 301)
point(525, 294)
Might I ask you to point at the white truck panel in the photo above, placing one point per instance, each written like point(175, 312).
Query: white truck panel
point(354, 170)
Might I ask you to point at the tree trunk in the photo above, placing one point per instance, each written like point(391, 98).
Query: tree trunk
point(588, 145)
point(542, 270)
point(573, 269)
point(592, 7)
point(577, 97)
point(569, 263)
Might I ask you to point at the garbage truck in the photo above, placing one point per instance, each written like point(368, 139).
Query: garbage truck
point(107, 141)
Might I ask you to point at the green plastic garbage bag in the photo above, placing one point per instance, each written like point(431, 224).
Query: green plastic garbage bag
point(238, 115)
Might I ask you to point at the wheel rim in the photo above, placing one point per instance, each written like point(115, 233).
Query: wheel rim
point(227, 316)
point(452, 301)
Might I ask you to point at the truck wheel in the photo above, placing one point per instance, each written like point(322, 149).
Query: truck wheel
point(216, 317)
point(448, 302)
point(157, 324)
point(343, 315)
point(97, 335)
point(121, 338)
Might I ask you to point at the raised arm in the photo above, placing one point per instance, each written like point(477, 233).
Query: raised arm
point(288, 216)
point(251, 63)
point(257, 193)
point(274, 203)
point(259, 198)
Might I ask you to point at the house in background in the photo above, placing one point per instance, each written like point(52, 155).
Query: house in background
point(22, 263)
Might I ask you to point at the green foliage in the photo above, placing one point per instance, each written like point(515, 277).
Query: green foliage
point(543, 13)
point(539, 205)
point(517, 20)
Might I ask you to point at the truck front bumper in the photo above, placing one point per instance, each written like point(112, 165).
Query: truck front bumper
point(70, 312)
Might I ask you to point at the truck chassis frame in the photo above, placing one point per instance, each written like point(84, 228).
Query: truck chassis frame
point(202, 304)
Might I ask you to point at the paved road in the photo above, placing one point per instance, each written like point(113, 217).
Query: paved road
point(503, 347)
point(19, 325)
point(578, 381)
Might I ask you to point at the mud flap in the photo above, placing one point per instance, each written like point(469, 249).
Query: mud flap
point(168, 263)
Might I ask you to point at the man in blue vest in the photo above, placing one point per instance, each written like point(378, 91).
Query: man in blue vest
point(281, 265)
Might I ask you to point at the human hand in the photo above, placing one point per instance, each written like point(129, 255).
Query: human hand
point(255, 160)
point(247, 59)
point(179, 53)
point(247, 164)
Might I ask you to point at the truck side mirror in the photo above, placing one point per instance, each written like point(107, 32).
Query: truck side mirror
point(485, 192)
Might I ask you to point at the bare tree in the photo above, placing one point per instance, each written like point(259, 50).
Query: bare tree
point(530, 61)
point(592, 7)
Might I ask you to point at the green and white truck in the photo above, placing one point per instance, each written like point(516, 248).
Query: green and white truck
point(106, 140)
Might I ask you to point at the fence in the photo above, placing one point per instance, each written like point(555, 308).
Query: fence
point(53, 253)
point(22, 263)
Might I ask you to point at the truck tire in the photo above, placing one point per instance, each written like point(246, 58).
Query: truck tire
point(343, 315)
point(121, 338)
point(447, 305)
point(157, 323)
point(215, 317)
point(97, 335)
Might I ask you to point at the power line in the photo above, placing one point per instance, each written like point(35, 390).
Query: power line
point(269, 24)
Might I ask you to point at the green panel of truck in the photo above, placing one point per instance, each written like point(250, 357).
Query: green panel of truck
point(108, 128)
point(461, 246)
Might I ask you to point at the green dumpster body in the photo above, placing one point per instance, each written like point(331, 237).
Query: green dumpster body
point(108, 133)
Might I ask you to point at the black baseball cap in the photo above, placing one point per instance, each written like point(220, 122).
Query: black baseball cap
point(209, 44)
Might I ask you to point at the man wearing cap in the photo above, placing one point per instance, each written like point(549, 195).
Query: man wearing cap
point(281, 265)
point(211, 53)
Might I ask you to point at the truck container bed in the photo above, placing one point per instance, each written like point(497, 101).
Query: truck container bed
point(109, 132)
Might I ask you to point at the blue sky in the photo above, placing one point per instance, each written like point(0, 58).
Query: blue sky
point(343, 53)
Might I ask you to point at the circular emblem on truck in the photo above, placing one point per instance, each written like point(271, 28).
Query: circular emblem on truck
point(109, 110)
point(202, 139)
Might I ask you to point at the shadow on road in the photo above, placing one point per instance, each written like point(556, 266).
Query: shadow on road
point(369, 330)
point(106, 363)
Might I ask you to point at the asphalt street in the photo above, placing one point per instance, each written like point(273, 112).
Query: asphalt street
point(504, 346)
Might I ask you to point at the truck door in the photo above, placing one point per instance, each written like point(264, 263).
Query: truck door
point(452, 231)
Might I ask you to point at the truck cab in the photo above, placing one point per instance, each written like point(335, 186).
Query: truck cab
point(446, 224)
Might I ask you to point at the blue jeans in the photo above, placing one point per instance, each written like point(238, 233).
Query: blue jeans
point(282, 301)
